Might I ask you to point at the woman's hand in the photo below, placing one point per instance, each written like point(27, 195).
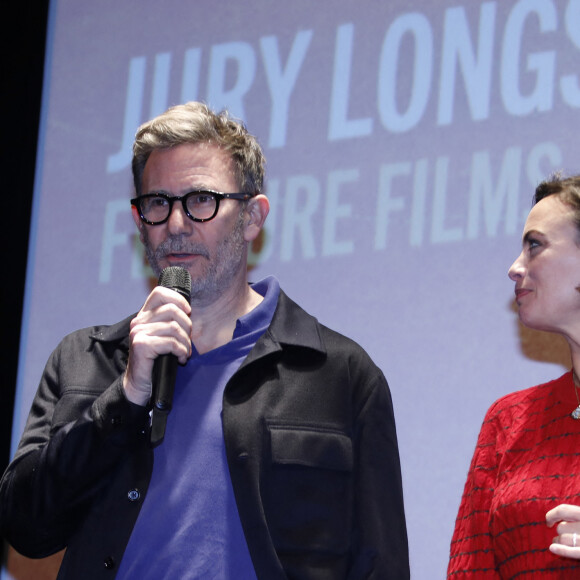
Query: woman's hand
point(567, 542)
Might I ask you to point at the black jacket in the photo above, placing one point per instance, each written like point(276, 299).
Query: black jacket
point(307, 420)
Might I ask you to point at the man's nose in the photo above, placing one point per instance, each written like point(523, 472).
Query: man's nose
point(178, 222)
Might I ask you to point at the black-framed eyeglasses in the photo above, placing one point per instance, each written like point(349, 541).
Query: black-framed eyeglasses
point(199, 205)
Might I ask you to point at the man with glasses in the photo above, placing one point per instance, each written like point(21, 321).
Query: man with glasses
point(279, 458)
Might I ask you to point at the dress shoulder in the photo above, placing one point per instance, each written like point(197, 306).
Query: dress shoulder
point(530, 397)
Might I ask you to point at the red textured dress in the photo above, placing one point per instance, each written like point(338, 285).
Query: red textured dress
point(527, 461)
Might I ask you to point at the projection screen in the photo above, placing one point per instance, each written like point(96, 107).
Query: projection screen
point(404, 140)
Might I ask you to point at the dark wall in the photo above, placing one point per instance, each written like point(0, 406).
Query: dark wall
point(22, 60)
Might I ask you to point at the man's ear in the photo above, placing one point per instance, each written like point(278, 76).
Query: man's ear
point(257, 210)
point(140, 225)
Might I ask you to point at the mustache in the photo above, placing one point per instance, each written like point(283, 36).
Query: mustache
point(180, 246)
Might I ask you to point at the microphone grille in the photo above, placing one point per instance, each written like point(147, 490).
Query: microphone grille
point(176, 278)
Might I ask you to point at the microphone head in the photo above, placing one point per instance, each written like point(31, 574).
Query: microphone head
point(178, 279)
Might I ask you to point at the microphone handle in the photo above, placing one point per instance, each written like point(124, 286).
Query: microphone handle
point(165, 366)
point(164, 375)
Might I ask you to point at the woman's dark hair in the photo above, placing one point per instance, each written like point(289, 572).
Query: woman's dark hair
point(566, 188)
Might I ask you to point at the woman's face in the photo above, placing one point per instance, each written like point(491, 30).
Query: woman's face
point(547, 272)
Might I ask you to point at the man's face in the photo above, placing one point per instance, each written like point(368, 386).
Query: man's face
point(213, 252)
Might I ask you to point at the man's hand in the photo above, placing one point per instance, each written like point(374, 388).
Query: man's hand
point(163, 326)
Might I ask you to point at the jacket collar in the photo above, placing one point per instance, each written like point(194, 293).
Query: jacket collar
point(118, 332)
point(291, 326)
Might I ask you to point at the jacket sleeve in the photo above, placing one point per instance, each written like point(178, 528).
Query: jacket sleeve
point(472, 553)
point(380, 543)
point(79, 427)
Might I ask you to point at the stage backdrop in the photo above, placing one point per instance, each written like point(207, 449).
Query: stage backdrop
point(404, 140)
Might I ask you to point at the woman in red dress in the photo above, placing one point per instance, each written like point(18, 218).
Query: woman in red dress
point(520, 511)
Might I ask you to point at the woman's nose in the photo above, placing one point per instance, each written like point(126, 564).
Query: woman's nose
point(517, 268)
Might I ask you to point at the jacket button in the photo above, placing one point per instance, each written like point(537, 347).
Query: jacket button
point(242, 457)
point(134, 495)
point(109, 563)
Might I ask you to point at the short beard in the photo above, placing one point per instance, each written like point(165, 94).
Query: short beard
point(229, 259)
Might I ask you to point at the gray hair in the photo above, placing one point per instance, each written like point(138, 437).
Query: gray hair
point(195, 122)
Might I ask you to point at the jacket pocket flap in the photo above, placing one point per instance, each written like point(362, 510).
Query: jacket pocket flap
point(311, 447)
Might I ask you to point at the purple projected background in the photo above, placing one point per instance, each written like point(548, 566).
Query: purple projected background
point(403, 144)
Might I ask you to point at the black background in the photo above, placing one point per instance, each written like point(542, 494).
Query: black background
point(23, 39)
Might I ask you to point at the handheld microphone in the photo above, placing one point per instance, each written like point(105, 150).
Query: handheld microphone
point(165, 365)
